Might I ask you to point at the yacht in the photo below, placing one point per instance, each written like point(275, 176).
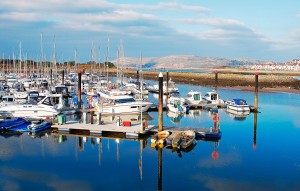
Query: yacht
point(46, 106)
point(121, 104)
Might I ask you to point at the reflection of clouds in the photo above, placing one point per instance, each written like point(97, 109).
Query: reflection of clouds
point(45, 179)
point(26, 146)
point(9, 185)
point(297, 123)
point(225, 159)
point(220, 184)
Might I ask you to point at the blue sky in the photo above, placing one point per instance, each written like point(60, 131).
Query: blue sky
point(264, 30)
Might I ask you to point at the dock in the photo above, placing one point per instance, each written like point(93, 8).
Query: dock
point(201, 133)
point(135, 130)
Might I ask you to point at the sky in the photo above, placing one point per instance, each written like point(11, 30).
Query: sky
point(104, 29)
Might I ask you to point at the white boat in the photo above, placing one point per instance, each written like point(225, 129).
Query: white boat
point(175, 105)
point(213, 98)
point(171, 87)
point(121, 104)
point(239, 105)
point(50, 105)
point(193, 97)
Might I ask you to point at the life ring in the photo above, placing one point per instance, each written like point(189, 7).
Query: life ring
point(216, 118)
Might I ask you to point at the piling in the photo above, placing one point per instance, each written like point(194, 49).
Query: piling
point(256, 93)
point(51, 76)
point(63, 77)
point(160, 102)
point(216, 81)
point(79, 89)
point(167, 88)
point(159, 168)
point(92, 117)
point(254, 131)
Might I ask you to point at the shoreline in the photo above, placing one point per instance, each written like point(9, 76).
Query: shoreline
point(230, 79)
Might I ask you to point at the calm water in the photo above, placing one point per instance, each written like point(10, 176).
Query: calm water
point(265, 157)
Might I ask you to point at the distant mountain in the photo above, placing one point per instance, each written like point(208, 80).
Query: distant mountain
point(186, 61)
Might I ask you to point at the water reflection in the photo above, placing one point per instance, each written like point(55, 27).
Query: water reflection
point(238, 115)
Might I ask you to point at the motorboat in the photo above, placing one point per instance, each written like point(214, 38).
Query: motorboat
point(12, 123)
point(193, 97)
point(49, 105)
point(213, 98)
point(172, 88)
point(41, 125)
point(121, 104)
point(239, 105)
point(175, 105)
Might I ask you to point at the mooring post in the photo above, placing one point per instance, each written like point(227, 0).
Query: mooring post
point(92, 117)
point(254, 131)
point(159, 169)
point(63, 77)
point(167, 87)
point(216, 81)
point(79, 89)
point(160, 102)
point(256, 93)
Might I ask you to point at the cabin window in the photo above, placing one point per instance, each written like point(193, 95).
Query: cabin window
point(47, 101)
point(124, 100)
point(197, 97)
point(214, 96)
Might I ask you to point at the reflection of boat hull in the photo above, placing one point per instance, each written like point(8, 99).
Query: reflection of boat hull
point(209, 135)
point(238, 115)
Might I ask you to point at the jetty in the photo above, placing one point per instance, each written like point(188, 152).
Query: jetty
point(126, 128)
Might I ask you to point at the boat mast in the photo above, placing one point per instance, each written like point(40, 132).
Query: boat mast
point(107, 57)
point(20, 60)
point(41, 57)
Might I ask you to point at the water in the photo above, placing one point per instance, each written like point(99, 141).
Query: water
point(249, 157)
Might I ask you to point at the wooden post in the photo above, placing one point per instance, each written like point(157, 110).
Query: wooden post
point(167, 87)
point(92, 117)
point(159, 169)
point(216, 81)
point(160, 102)
point(254, 131)
point(79, 89)
point(256, 93)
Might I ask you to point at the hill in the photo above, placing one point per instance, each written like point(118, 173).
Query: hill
point(186, 61)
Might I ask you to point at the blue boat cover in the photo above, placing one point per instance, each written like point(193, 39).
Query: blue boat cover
point(240, 101)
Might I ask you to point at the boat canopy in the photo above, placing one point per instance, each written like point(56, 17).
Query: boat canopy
point(240, 101)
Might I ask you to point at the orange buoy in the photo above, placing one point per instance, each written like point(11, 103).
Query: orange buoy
point(216, 118)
